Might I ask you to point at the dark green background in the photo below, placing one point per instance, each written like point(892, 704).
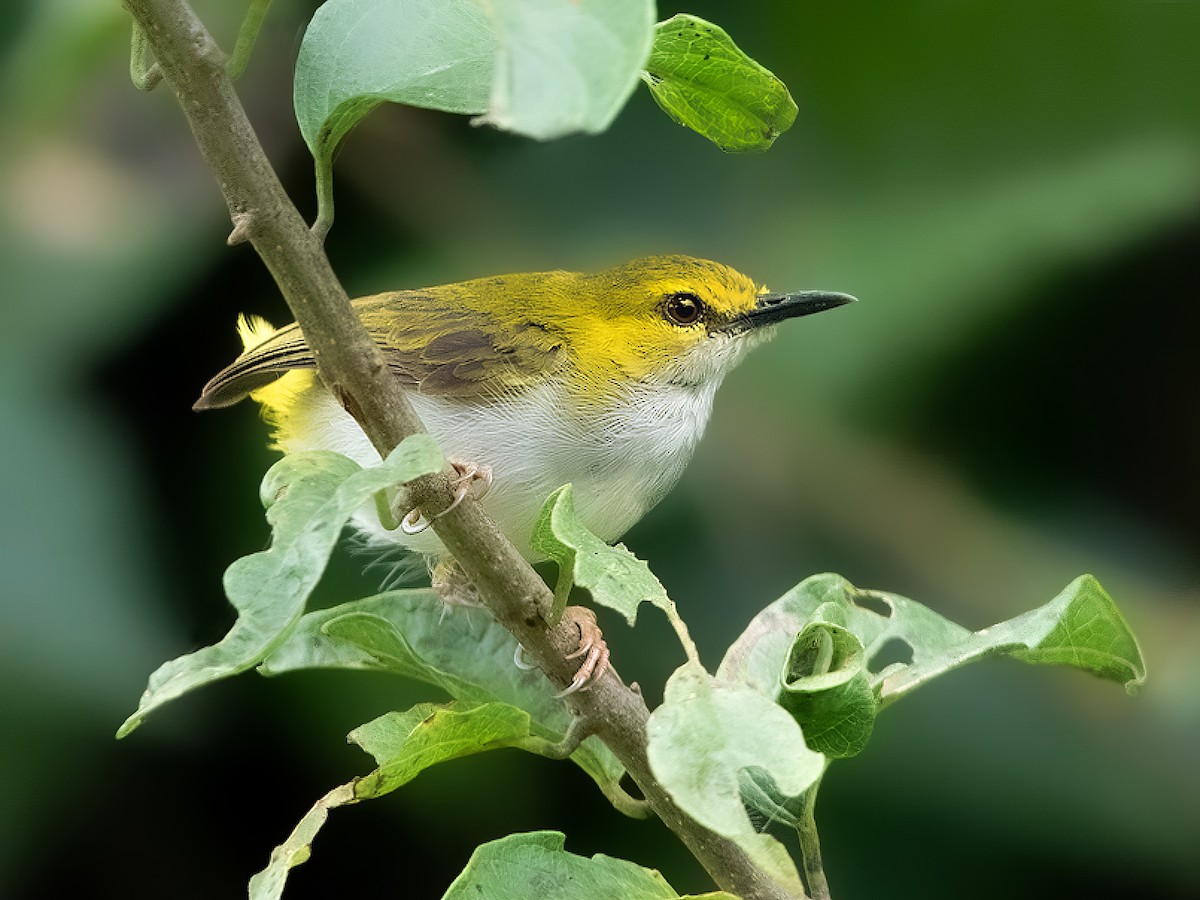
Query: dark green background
point(1013, 191)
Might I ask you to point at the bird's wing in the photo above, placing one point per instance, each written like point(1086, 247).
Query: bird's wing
point(432, 346)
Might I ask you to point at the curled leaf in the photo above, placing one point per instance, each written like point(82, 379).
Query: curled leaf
point(825, 686)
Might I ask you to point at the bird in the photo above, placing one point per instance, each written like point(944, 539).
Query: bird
point(529, 381)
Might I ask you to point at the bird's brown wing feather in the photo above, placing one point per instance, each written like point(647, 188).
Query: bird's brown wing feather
point(432, 346)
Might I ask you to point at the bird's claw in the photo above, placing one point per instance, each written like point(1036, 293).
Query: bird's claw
point(592, 649)
point(468, 473)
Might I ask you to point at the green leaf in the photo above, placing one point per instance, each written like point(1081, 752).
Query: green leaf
point(268, 884)
point(826, 687)
point(701, 740)
point(404, 744)
point(309, 497)
point(703, 81)
point(565, 66)
point(1080, 627)
point(611, 574)
point(535, 864)
point(541, 68)
point(462, 651)
point(387, 647)
point(759, 793)
point(614, 576)
point(357, 54)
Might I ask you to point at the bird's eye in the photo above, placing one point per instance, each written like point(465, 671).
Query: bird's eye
point(683, 308)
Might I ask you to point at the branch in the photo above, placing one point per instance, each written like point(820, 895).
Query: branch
point(351, 365)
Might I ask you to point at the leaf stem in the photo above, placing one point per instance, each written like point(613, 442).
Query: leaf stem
point(810, 847)
point(383, 509)
point(324, 164)
point(685, 636)
point(247, 36)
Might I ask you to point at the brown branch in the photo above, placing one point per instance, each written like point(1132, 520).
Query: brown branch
point(351, 365)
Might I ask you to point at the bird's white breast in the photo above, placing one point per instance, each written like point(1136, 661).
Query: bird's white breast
point(622, 457)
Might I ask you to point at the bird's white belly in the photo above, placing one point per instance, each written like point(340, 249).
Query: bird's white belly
point(621, 462)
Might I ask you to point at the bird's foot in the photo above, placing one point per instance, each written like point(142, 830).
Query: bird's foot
point(452, 585)
point(468, 473)
point(592, 649)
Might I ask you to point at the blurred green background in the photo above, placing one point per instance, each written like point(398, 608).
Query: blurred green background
point(1013, 191)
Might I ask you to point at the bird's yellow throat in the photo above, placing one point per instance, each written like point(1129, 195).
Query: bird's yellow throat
point(604, 380)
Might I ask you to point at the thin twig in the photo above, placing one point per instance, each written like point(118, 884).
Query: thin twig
point(352, 366)
point(247, 36)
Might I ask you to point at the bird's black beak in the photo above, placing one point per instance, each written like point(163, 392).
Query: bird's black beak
point(773, 308)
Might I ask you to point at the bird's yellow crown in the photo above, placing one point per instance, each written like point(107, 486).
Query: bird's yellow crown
point(629, 322)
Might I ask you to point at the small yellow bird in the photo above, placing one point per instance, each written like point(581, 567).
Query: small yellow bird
point(603, 380)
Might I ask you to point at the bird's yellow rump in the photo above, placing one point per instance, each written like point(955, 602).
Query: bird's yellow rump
point(604, 380)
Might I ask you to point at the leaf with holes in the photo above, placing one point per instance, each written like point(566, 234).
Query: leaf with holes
point(309, 498)
point(1081, 627)
point(611, 574)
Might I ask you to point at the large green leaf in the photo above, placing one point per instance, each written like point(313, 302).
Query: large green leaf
point(703, 81)
point(565, 66)
point(1081, 627)
point(462, 651)
point(357, 54)
point(535, 864)
point(703, 738)
point(403, 744)
point(541, 68)
point(309, 497)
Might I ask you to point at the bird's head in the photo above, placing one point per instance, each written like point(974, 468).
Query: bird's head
point(671, 320)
